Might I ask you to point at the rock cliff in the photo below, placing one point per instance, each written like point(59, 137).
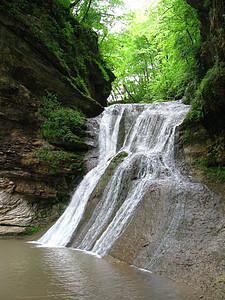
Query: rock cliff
point(204, 132)
point(212, 56)
point(43, 48)
point(206, 118)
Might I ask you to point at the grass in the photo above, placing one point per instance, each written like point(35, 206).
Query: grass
point(215, 174)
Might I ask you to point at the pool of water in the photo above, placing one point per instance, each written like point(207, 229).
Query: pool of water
point(31, 272)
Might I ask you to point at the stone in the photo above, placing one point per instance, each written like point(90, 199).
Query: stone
point(11, 230)
point(34, 190)
point(14, 210)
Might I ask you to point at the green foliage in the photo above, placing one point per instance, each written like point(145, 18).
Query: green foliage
point(214, 174)
point(32, 230)
point(65, 3)
point(63, 127)
point(154, 58)
point(101, 15)
point(24, 5)
point(60, 123)
point(201, 96)
point(206, 83)
point(72, 45)
point(207, 3)
point(72, 161)
point(51, 156)
point(196, 113)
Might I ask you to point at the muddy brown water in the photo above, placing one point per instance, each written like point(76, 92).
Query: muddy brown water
point(31, 272)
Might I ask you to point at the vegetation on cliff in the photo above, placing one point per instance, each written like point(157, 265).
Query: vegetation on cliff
point(60, 125)
point(204, 125)
point(73, 46)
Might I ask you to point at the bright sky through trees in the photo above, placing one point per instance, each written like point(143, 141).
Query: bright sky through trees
point(138, 4)
point(134, 4)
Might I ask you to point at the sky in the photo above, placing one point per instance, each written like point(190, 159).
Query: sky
point(136, 4)
point(132, 5)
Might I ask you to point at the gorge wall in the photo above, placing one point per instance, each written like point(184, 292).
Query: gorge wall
point(205, 124)
point(43, 48)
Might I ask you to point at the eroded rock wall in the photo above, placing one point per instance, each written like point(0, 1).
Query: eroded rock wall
point(29, 186)
point(33, 190)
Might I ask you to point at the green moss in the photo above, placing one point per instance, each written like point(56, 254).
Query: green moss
point(60, 124)
point(72, 44)
point(104, 73)
point(32, 230)
point(202, 97)
point(207, 3)
point(71, 161)
point(214, 174)
point(190, 91)
point(114, 163)
point(207, 81)
point(97, 193)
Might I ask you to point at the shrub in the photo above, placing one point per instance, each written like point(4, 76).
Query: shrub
point(60, 123)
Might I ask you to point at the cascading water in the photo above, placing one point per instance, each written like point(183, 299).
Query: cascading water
point(146, 133)
point(60, 233)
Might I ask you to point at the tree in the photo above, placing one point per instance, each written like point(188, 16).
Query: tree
point(155, 56)
point(101, 15)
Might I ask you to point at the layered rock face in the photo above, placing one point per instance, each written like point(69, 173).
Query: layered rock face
point(33, 190)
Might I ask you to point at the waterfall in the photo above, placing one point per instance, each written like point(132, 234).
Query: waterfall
point(145, 132)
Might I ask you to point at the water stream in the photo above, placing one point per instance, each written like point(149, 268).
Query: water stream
point(146, 133)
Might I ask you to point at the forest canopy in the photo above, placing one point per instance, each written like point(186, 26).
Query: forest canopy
point(154, 58)
point(154, 55)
